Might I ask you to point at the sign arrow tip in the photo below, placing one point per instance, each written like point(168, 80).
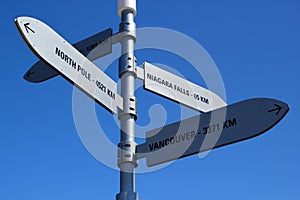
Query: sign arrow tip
point(26, 25)
point(278, 109)
point(27, 76)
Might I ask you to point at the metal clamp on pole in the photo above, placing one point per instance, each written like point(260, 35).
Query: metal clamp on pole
point(129, 107)
point(126, 154)
point(127, 63)
point(127, 26)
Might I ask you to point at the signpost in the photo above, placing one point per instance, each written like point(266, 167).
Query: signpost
point(92, 47)
point(180, 90)
point(244, 120)
point(69, 62)
point(220, 124)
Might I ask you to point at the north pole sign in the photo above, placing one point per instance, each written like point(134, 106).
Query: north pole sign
point(69, 62)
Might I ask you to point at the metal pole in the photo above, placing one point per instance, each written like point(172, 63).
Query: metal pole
point(127, 161)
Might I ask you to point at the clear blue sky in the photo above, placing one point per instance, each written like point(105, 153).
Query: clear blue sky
point(256, 47)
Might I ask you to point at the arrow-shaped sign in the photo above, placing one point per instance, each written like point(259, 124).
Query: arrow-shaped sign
point(224, 126)
point(92, 47)
point(28, 28)
point(180, 90)
point(70, 63)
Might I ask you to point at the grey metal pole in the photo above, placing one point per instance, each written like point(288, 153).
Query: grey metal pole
point(127, 161)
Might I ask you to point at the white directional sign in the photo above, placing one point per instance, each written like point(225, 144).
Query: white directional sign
point(92, 47)
point(243, 120)
point(63, 57)
point(180, 90)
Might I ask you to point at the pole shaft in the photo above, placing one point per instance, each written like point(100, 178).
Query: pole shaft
point(127, 161)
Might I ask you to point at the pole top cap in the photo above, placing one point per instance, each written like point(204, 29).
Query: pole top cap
point(125, 5)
